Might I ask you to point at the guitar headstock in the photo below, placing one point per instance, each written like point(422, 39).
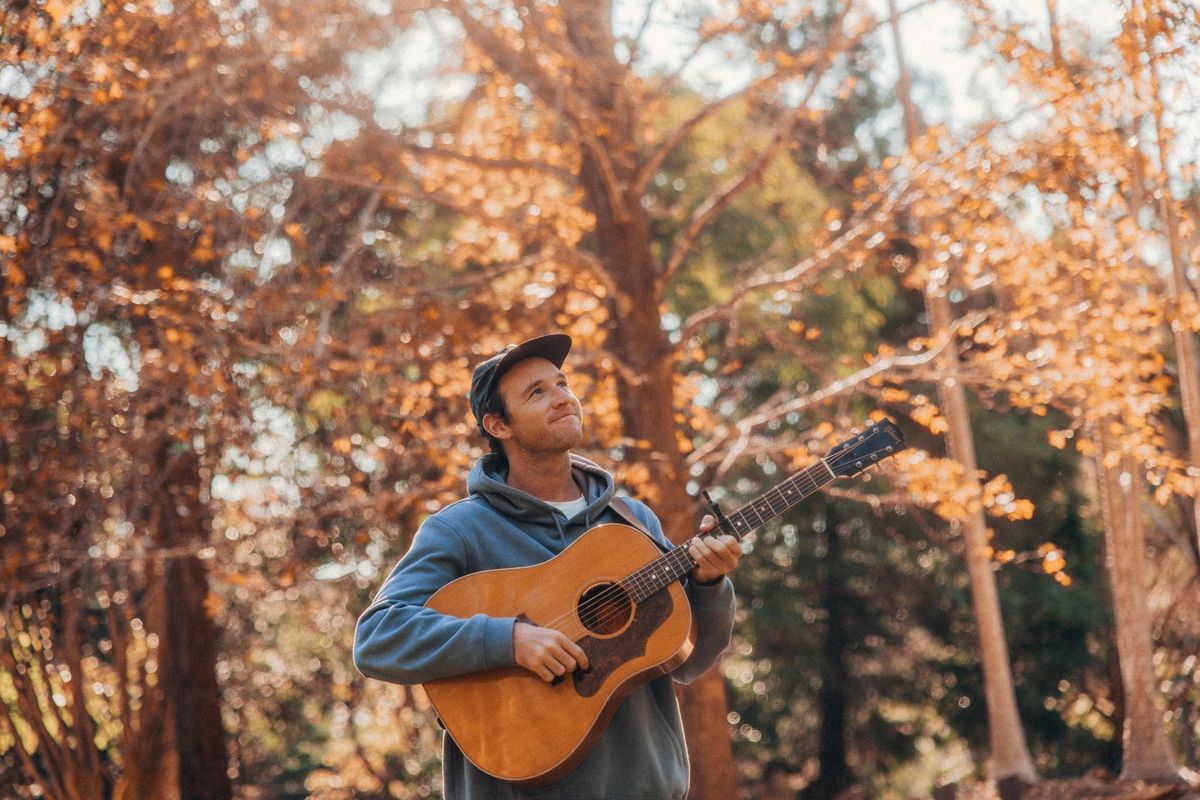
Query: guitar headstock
point(877, 442)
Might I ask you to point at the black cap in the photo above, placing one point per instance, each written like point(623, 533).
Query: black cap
point(553, 347)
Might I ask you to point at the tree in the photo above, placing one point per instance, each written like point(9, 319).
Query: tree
point(132, 140)
point(1101, 361)
point(1010, 760)
point(565, 60)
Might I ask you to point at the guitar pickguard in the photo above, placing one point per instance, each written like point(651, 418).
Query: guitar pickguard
point(605, 655)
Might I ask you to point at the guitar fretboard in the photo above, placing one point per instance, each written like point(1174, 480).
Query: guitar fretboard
point(674, 564)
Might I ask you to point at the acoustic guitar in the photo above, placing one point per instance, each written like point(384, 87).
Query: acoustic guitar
point(620, 597)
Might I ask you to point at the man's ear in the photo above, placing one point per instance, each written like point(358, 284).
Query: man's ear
point(497, 426)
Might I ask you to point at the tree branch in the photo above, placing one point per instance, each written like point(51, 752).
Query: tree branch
point(675, 137)
point(636, 43)
point(712, 207)
point(554, 93)
point(491, 163)
point(746, 426)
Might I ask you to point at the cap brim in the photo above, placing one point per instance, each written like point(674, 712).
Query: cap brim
point(553, 347)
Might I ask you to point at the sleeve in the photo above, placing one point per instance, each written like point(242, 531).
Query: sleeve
point(398, 640)
point(713, 608)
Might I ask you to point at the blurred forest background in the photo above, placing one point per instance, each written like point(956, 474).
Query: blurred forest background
point(250, 250)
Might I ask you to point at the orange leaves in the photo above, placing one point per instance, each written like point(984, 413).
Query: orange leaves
point(940, 484)
point(929, 416)
point(1058, 439)
point(1053, 560)
point(1047, 559)
point(1000, 499)
point(181, 337)
point(921, 409)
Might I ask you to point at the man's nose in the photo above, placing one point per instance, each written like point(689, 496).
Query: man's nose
point(562, 395)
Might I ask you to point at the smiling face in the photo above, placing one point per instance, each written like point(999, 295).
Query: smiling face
point(544, 416)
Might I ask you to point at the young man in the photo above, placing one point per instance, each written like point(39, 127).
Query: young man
point(527, 501)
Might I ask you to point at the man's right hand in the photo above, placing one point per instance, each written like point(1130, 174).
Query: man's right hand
point(545, 652)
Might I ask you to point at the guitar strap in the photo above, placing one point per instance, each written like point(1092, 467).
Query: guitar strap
point(623, 510)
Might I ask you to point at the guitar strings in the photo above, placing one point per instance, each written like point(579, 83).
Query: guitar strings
point(637, 579)
point(612, 596)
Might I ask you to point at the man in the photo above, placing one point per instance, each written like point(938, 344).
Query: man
point(527, 501)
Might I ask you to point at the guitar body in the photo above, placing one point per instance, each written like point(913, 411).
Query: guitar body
point(513, 725)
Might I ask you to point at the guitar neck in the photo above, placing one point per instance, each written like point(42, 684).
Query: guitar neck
point(774, 502)
point(674, 564)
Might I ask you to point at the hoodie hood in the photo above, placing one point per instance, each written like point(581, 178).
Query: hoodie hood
point(487, 480)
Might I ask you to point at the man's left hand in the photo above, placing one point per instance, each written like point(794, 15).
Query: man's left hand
point(715, 556)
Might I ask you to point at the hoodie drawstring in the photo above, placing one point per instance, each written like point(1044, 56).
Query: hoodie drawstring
point(562, 537)
point(560, 517)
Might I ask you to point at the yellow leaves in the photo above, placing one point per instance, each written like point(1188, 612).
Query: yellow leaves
point(1050, 560)
point(1001, 500)
point(822, 431)
point(941, 485)
point(1175, 479)
point(1054, 563)
point(1003, 556)
point(1053, 559)
point(929, 416)
point(1058, 439)
point(986, 334)
point(57, 10)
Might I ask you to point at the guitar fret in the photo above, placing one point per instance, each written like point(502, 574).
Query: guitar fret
point(775, 501)
point(678, 562)
point(659, 573)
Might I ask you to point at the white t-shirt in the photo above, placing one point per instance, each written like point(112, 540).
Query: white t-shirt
point(570, 507)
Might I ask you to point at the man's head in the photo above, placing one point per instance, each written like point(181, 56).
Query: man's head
point(486, 397)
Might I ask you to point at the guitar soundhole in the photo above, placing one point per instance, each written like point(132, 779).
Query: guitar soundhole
point(605, 609)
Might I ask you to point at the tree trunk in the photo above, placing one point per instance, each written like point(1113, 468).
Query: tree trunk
point(189, 637)
point(1188, 361)
point(648, 414)
point(645, 376)
point(1009, 751)
point(1146, 750)
point(151, 750)
point(835, 775)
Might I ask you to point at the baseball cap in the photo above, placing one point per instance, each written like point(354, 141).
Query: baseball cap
point(553, 347)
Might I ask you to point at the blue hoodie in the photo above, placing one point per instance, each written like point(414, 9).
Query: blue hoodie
point(641, 755)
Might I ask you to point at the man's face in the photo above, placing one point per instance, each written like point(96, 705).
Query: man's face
point(544, 416)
